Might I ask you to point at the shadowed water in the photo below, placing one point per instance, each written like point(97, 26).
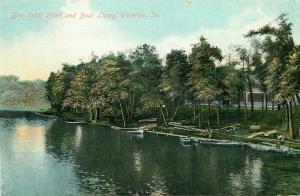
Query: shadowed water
point(44, 156)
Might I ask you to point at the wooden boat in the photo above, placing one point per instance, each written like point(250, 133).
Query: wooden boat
point(148, 120)
point(37, 113)
point(185, 140)
point(146, 127)
point(219, 142)
point(140, 131)
point(274, 148)
point(74, 122)
point(125, 129)
point(228, 143)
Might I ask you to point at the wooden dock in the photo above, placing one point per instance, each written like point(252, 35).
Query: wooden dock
point(166, 134)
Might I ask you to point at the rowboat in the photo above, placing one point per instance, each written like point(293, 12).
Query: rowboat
point(185, 140)
point(140, 131)
point(74, 122)
point(274, 148)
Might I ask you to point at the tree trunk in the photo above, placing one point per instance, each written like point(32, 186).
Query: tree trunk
point(273, 105)
point(167, 110)
point(115, 116)
point(266, 98)
point(262, 96)
point(162, 113)
point(96, 114)
point(175, 112)
point(245, 107)
point(218, 116)
point(90, 113)
point(208, 123)
point(227, 113)
point(122, 112)
point(251, 93)
point(127, 108)
point(199, 117)
point(295, 103)
point(298, 99)
point(290, 126)
point(239, 103)
point(239, 99)
point(99, 114)
point(132, 107)
point(93, 114)
point(194, 110)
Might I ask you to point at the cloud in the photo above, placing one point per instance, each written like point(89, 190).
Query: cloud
point(35, 54)
point(232, 34)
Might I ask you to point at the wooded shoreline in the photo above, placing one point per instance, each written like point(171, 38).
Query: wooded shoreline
point(239, 134)
point(200, 89)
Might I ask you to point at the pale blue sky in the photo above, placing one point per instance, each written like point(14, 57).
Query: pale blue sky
point(34, 42)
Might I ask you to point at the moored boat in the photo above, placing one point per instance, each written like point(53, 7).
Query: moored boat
point(140, 131)
point(74, 122)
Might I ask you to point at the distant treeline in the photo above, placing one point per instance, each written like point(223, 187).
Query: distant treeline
point(16, 94)
point(125, 85)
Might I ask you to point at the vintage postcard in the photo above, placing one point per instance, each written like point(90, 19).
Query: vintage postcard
point(149, 97)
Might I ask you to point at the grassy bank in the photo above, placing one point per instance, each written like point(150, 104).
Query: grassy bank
point(266, 119)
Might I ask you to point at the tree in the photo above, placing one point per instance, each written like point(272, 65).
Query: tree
point(49, 89)
point(290, 86)
point(261, 74)
point(174, 78)
point(279, 46)
point(234, 82)
point(146, 74)
point(58, 85)
point(202, 78)
point(110, 85)
point(16, 94)
point(245, 57)
point(78, 96)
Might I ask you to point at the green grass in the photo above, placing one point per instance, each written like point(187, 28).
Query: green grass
point(267, 119)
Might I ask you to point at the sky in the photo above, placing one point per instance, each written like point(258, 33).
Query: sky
point(38, 36)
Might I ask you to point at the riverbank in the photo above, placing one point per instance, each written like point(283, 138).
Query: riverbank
point(239, 135)
point(261, 132)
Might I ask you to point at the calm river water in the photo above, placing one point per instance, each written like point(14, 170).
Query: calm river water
point(45, 156)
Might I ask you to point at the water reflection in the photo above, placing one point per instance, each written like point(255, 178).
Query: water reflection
point(78, 135)
point(46, 156)
point(29, 139)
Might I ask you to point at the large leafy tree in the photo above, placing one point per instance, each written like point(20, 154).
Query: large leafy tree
point(109, 88)
point(146, 74)
point(49, 89)
point(174, 80)
point(260, 73)
point(234, 82)
point(78, 96)
point(245, 58)
point(58, 85)
point(279, 47)
point(202, 78)
point(290, 87)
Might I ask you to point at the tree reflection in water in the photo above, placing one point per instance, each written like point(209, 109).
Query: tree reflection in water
point(41, 154)
point(106, 161)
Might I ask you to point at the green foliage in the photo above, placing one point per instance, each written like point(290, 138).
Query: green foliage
point(124, 87)
point(202, 78)
point(16, 94)
point(281, 58)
